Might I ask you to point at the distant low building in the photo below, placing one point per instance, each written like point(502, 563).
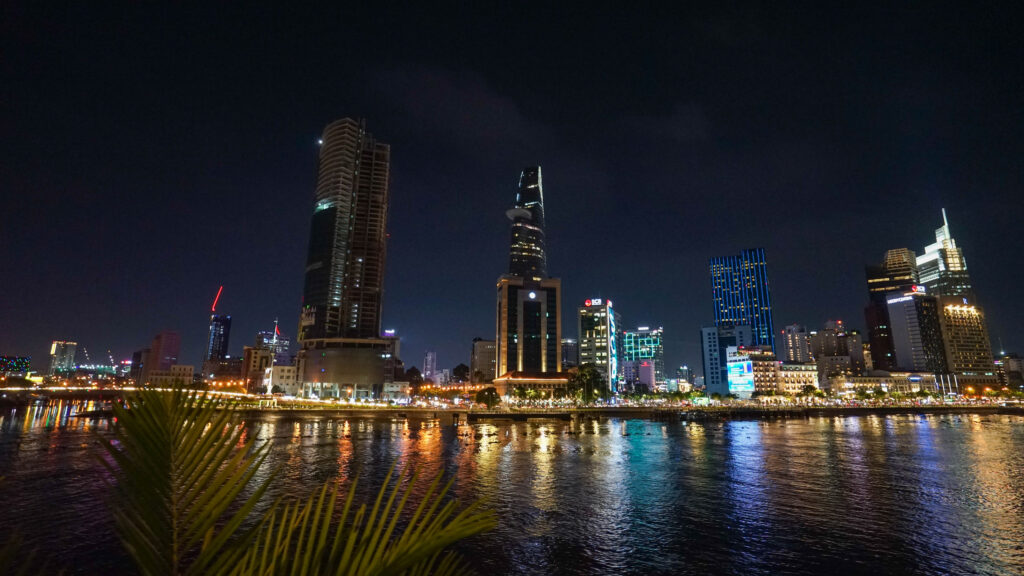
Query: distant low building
point(281, 379)
point(396, 391)
point(902, 382)
point(178, 374)
point(794, 377)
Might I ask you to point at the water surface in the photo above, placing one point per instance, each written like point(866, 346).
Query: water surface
point(910, 494)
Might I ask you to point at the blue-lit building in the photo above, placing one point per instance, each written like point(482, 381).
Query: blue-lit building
point(217, 343)
point(739, 287)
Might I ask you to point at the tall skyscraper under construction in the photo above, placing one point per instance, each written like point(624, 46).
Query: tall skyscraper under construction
point(344, 282)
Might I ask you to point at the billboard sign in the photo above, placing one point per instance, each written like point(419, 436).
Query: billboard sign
point(741, 377)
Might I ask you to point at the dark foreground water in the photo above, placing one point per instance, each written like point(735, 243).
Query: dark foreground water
point(844, 495)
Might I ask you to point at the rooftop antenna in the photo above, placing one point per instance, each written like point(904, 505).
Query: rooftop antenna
point(215, 299)
point(944, 221)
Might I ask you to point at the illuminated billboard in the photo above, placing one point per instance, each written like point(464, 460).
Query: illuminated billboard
point(741, 377)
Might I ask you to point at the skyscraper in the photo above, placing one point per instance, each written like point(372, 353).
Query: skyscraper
point(527, 258)
point(348, 236)
point(897, 273)
point(965, 338)
point(529, 325)
point(646, 344)
point(739, 288)
point(914, 321)
point(599, 338)
point(343, 350)
point(217, 344)
point(62, 357)
point(942, 267)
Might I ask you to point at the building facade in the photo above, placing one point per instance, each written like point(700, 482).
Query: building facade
point(646, 344)
point(174, 375)
point(528, 331)
point(741, 294)
point(570, 353)
point(597, 323)
point(916, 332)
point(968, 352)
point(482, 361)
point(217, 342)
point(795, 344)
point(942, 267)
point(62, 357)
point(342, 350)
point(897, 273)
point(430, 366)
point(837, 350)
point(715, 342)
point(279, 345)
point(344, 279)
point(281, 379)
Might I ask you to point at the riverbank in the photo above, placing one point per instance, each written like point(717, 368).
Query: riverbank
point(455, 414)
point(689, 413)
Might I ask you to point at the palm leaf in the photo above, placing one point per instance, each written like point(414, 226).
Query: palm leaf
point(181, 462)
point(309, 537)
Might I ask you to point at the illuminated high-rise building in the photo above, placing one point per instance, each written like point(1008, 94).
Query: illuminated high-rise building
point(348, 237)
point(62, 357)
point(914, 320)
point(217, 343)
point(344, 353)
point(942, 267)
point(598, 330)
point(968, 350)
point(529, 320)
point(646, 344)
point(278, 344)
point(739, 288)
point(897, 273)
point(527, 258)
point(795, 347)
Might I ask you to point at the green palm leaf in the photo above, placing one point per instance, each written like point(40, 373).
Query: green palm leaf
point(310, 537)
point(181, 462)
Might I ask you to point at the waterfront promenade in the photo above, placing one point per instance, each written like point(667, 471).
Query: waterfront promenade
point(461, 414)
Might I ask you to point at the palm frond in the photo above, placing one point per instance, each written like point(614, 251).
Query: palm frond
point(308, 537)
point(181, 463)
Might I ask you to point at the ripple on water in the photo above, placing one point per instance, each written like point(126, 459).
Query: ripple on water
point(941, 494)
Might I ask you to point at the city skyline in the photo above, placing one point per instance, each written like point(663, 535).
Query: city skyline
point(226, 198)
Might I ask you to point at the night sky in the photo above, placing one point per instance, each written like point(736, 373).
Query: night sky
point(150, 155)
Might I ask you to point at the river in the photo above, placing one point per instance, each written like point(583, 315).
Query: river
point(893, 494)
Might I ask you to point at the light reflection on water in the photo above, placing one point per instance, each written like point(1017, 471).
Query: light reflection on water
point(841, 495)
